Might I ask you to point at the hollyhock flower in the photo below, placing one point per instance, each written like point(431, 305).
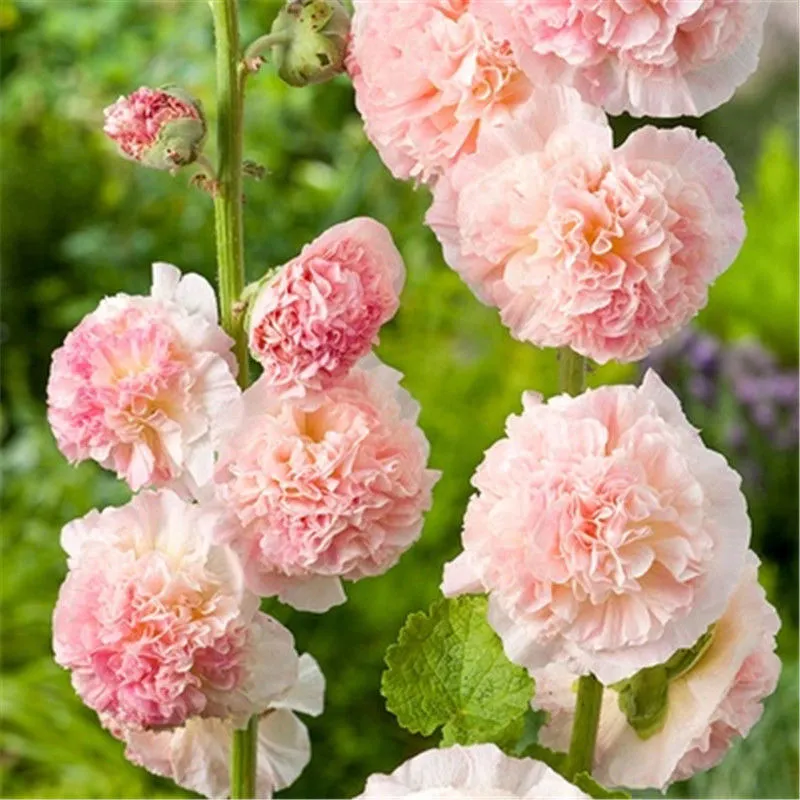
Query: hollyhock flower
point(197, 755)
point(139, 385)
point(321, 313)
point(709, 706)
point(660, 59)
point(481, 770)
point(428, 75)
point(160, 128)
point(607, 535)
point(579, 245)
point(155, 623)
point(328, 486)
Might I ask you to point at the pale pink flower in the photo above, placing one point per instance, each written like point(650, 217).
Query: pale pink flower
point(197, 755)
point(327, 486)
point(607, 535)
point(141, 382)
point(480, 770)
point(160, 128)
point(428, 75)
point(322, 311)
point(607, 251)
point(717, 701)
point(155, 623)
point(660, 58)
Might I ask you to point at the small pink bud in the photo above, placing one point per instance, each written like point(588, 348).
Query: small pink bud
point(160, 128)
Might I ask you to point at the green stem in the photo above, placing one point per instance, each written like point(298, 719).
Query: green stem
point(571, 372)
point(243, 761)
point(572, 380)
point(230, 275)
point(584, 727)
point(255, 52)
point(228, 199)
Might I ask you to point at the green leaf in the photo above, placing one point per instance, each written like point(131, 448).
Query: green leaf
point(585, 782)
point(448, 670)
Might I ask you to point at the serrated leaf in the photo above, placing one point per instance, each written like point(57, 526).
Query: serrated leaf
point(586, 783)
point(448, 670)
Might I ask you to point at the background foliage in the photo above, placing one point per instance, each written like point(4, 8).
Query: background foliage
point(79, 223)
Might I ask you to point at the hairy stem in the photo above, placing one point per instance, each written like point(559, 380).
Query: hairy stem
point(230, 276)
point(228, 197)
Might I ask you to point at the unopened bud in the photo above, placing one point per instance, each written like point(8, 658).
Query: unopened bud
point(314, 45)
point(160, 128)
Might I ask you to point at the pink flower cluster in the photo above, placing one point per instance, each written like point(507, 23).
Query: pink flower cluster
point(712, 704)
point(326, 486)
point(606, 251)
point(316, 473)
point(321, 312)
point(155, 623)
point(140, 385)
point(430, 76)
point(605, 532)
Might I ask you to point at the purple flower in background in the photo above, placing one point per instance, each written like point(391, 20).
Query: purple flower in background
point(734, 390)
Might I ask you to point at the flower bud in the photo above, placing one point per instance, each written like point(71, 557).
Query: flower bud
point(160, 128)
point(316, 33)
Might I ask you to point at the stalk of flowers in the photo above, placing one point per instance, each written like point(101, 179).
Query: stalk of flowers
point(578, 244)
point(481, 770)
point(155, 624)
point(605, 533)
point(325, 486)
point(197, 755)
point(312, 319)
point(141, 383)
point(713, 700)
point(659, 59)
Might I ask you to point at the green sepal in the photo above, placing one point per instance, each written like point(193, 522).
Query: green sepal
point(251, 292)
point(179, 141)
point(644, 698)
point(685, 660)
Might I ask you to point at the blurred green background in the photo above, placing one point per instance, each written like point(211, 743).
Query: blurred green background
point(78, 222)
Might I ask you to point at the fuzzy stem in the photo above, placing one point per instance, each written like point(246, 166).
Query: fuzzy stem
point(230, 276)
point(584, 728)
point(228, 198)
